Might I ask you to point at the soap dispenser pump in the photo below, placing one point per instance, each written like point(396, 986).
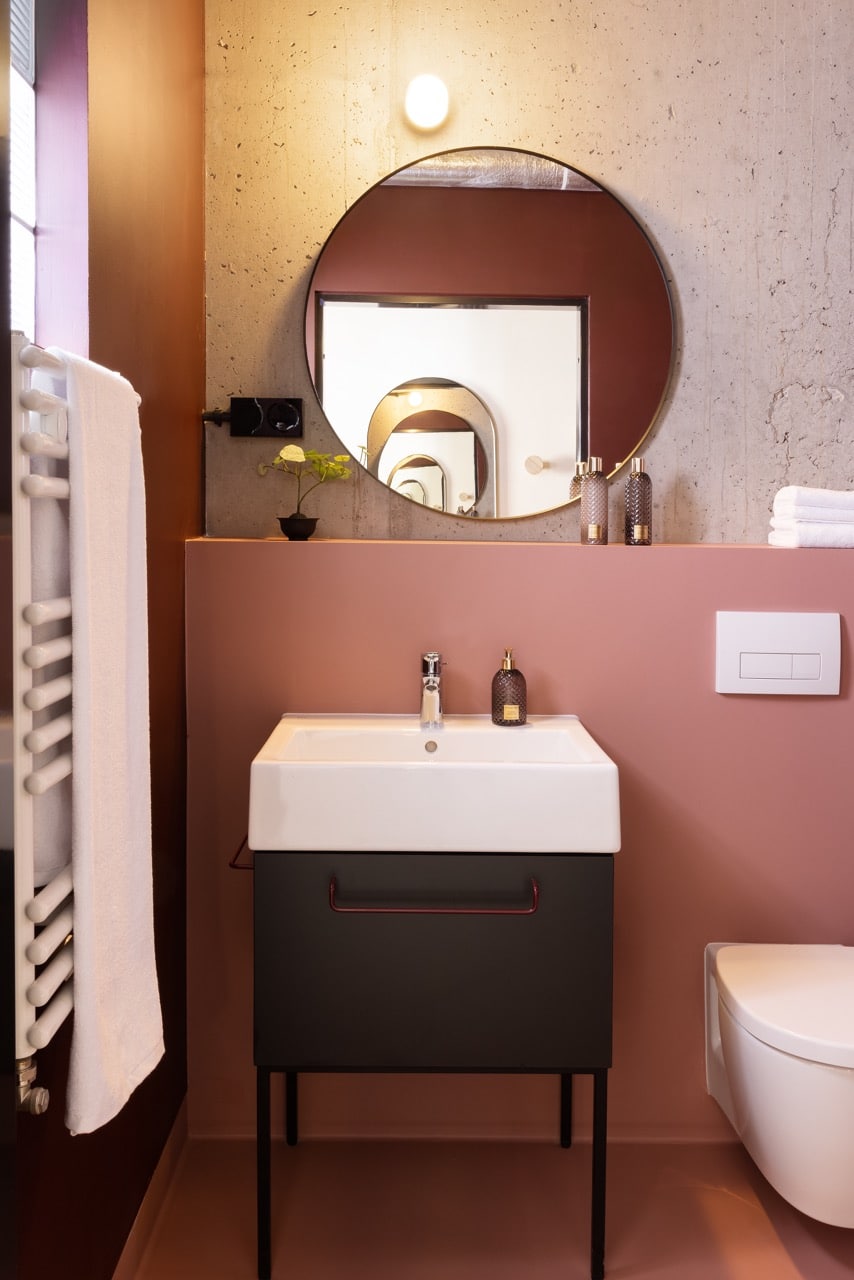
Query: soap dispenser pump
point(509, 693)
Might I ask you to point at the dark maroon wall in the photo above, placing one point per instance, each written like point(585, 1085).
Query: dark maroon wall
point(536, 244)
point(142, 119)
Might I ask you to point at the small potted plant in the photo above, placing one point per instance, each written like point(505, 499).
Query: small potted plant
point(306, 465)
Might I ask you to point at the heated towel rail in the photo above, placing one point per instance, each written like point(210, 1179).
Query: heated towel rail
point(42, 656)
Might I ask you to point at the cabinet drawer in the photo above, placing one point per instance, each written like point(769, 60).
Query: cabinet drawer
point(399, 961)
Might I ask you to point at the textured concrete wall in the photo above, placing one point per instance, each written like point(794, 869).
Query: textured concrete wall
point(726, 126)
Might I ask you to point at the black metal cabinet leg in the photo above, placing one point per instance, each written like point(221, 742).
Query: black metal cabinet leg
point(566, 1109)
point(262, 1146)
point(600, 1133)
point(291, 1109)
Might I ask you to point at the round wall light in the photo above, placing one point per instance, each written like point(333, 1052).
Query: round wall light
point(426, 102)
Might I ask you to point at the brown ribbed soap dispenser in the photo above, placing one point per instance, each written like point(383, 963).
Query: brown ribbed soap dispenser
point(509, 693)
point(638, 505)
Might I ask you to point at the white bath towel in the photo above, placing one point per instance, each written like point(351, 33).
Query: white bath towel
point(812, 533)
point(821, 515)
point(117, 1037)
point(801, 501)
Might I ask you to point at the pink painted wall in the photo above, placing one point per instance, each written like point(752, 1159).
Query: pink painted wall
point(738, 812)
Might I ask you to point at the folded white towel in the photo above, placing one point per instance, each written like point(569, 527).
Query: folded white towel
point(826, 515)
point(813, 533)
point(118, 1034)
point(794, 499)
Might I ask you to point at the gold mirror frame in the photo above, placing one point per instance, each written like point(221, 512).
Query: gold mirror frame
point(508, 224)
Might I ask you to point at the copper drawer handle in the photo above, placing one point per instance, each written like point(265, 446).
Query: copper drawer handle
point(436, 911)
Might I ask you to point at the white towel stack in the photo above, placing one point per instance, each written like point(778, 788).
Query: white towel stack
point(804, 517)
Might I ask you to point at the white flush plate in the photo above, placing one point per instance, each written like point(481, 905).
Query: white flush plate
point(777, 653)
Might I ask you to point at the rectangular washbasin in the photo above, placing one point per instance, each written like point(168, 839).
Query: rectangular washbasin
point(383, 783)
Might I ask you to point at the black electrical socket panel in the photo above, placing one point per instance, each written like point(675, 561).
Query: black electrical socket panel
point(258, 417)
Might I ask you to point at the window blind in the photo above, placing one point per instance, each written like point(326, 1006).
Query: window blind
point(21, 39)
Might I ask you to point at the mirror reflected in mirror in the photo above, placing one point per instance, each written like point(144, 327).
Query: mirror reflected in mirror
point(448, 424)
point(519, 282)
point(419, 478)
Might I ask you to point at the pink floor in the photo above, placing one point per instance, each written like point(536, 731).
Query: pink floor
point(485, 1211)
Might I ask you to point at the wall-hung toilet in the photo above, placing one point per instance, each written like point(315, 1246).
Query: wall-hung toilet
point(780, 1063)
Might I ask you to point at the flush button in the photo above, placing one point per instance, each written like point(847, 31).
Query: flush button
point(806, 666)
point(766, 666)
point(777, 653)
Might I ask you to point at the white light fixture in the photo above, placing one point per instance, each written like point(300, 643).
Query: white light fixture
point(426, 102)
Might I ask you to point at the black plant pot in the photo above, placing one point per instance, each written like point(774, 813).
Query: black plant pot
point(298, 528)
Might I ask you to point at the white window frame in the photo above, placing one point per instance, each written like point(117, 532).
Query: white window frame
point(22, 167)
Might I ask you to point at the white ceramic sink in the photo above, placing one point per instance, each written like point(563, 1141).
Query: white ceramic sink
point(383, 783)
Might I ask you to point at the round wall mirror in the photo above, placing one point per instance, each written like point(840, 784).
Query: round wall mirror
point(509, 277)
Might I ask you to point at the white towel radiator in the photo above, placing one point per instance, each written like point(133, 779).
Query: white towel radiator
point(42, 719)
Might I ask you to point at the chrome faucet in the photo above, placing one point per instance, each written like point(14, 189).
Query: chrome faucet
point(431, 690)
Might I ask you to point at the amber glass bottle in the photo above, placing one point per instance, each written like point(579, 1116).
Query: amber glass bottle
point(575, 481)
point(638, 506)
point(509, 694)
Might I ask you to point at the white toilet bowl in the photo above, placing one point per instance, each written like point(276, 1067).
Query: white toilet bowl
point(780, 1063)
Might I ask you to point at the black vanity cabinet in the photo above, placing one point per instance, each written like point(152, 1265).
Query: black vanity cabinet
point(433, 962)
